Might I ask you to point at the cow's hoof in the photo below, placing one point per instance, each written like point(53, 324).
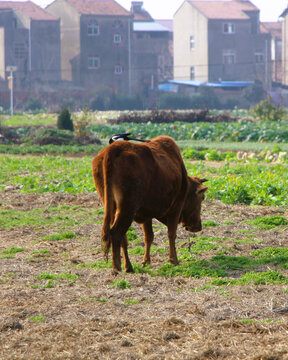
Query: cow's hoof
point(174, 262)
point(115, 272)
point(144, 263)
point(130, 270)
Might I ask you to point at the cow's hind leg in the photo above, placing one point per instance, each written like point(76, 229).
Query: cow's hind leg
point(148, 238)
point(118, 239)
point(127, 264)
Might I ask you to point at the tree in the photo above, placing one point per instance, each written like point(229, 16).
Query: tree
point(64, 121)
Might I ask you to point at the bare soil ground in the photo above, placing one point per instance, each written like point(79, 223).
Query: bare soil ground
point(157, 318)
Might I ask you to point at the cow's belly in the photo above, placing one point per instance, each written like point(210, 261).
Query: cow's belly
point(142, 215)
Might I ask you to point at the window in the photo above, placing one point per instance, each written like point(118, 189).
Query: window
point(259, 58)
point(20, 51)
point(93, 28)
point(228, 28)
point(117, 24)
point(192, 42)
point(118, 69)
point(117, 39)
point(229, 57)
point(93, 62)
point(192, 73)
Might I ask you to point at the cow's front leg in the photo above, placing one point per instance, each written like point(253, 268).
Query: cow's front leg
point(172, 228)
point(148, 238)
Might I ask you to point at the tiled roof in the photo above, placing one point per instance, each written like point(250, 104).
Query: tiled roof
point(142, 16)
point(225, 9)
point(98, 7)
point(27, 8)
point(274, 28)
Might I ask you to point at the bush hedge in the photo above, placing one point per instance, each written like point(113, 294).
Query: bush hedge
point(156, 116)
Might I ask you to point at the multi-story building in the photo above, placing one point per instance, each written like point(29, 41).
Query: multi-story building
point(284, 17)
point(221, 40)
point(152, 60)
point(275, 30)
point(29, 44)
point(95, 43)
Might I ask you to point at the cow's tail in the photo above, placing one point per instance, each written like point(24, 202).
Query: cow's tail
point(109, 210)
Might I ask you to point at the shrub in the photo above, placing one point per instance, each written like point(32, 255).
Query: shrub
point(82, 122)
point(98, 103)
point(33, 104)
point(44, 136)
point(207, 99)
point(124, 102)
point(254, 94)
point(64, 121)
point(174, 101)
point(265, 110)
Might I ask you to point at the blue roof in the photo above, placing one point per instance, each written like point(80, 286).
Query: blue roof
point(222, 84)
point(168, 87)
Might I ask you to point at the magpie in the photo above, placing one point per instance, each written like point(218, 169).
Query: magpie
point(124, 136)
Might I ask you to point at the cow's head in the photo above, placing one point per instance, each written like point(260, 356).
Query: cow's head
point(191, 213)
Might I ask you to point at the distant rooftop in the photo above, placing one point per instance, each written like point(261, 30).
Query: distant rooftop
point(28, 9)
point(225, 9)
point(98, 7)
point(275, 28)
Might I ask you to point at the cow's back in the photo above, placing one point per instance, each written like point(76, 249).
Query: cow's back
point(151, 176)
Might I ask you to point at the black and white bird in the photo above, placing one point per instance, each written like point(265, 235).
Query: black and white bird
point(124, 136)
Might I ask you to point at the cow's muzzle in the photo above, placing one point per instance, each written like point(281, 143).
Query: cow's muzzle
point(193, 228)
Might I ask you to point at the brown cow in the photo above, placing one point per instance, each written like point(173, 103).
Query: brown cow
point(141, 182)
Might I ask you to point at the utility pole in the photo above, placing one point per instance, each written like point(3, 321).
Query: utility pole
point(11, 69)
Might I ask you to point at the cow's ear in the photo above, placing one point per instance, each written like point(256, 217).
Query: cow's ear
point(203, 180)
point(202, 189)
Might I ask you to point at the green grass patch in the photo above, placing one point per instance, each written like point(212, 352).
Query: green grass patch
point(210, 223)
point(268, 222)
point(37, 318)
point(41, 252)
point(37, 217)
point(58, 237)
point(252, 277)
point(132, 234)
point(101, 300)
point(197, 247)
point(52, 280)
point(121, 284)
point(278, 255)
point(11, 252)
point(191, 268)
point(129, 302)
point(137, 250)
point(97, 265)
point(49, 276)
point(233, 263)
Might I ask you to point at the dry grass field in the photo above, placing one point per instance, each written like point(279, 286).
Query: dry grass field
point(57, 303)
